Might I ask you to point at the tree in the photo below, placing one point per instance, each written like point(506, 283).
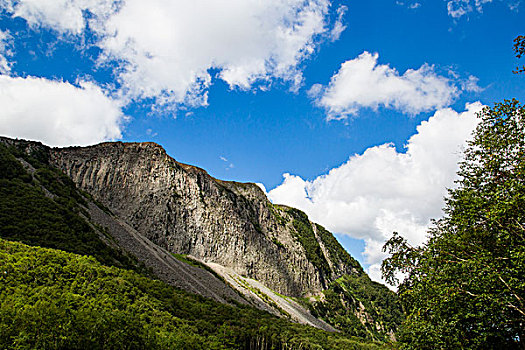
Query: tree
point(519, 50)
point(465, 287)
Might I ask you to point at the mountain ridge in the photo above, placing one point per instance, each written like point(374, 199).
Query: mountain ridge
point(140, 180)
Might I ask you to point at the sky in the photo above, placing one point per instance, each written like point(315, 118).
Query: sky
point(356, 112)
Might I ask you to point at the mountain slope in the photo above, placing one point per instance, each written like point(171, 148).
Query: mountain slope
point(50, 299)
point(184, 210)
point(151, 209)
point(41, 206)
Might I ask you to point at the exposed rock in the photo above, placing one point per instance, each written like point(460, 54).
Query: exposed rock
point(266, 299)
point(162, 263)
point(184, 210)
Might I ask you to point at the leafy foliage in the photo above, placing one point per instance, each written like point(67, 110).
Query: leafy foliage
point(10, 167)
point(29, 215)
point(466, 287)
point(358, 306)
point(51, 299)
point(306, 236)
point(519, 50)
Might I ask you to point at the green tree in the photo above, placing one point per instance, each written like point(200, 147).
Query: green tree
point(519, 50)
point(465, 288)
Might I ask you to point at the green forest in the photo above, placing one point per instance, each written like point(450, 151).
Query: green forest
point(465, 288)
point(50, 299)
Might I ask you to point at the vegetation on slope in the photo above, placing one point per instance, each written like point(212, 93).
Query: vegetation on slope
point(56, 300)
point(353, 303)
point(306, 236)
point(51, 219)
point(358, 306)
point(336, 251)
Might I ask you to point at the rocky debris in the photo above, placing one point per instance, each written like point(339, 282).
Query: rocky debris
point(162, 263)
point(197, 280)
point(266, 299)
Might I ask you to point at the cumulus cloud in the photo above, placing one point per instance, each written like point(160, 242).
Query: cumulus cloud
point(459, 8)
point(363, 83)
point(57, 113)
point(167, 49)
point(68, 16)
point(382, 190)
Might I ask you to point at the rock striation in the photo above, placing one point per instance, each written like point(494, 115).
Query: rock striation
point(184, 210)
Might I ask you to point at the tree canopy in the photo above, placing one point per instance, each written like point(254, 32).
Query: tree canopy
point(519, 50)
point(465, 287)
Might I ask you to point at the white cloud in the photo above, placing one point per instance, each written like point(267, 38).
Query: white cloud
point(262, 187)
point(471, 84)
point(363, 83)
point(409, 5)
point(338, 27)
point(151, 133)
point(66, 16)
point(5, 43)
point(459, 8)
point(166, 48)
point(57, 113)
point(224, 159)
point(382, 190)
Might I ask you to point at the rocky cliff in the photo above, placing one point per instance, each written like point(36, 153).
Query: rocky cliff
point(186, 211)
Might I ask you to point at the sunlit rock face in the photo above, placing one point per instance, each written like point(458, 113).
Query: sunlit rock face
point(183, 209)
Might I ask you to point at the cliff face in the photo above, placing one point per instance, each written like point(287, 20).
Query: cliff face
point(186, 211)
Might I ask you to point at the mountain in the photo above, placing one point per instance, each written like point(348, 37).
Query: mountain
point(223, 240)
point(184, 210)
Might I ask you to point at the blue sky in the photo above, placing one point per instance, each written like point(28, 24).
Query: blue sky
point(362, 104)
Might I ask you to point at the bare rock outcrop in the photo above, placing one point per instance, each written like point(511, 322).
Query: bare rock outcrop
point(184, 210)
